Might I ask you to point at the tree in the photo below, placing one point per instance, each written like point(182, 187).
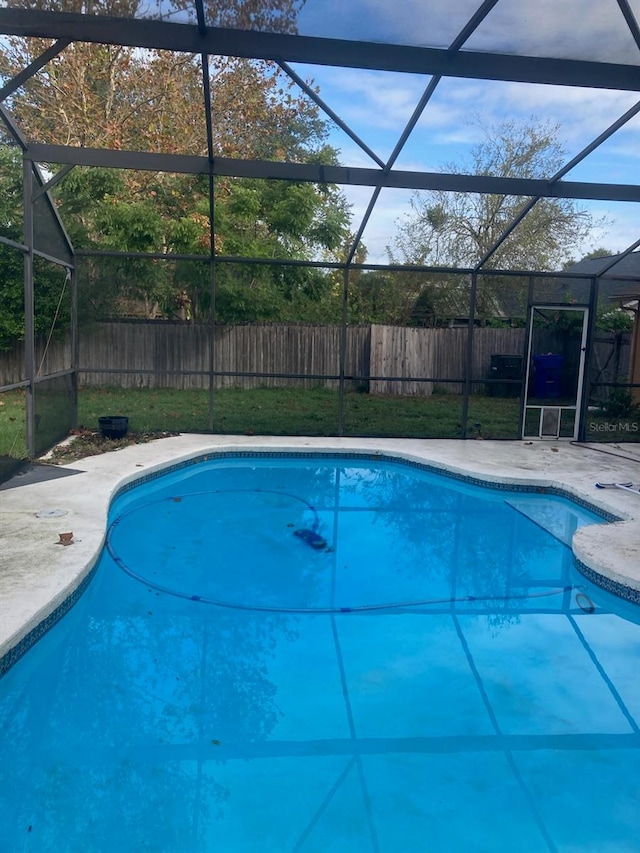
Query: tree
point(600, 252)
point(457, 229)
point(109, 96)
point(273, 220)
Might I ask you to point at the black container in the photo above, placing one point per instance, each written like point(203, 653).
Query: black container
point(114, 426)
point(506, 367)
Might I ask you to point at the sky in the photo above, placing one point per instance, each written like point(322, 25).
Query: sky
point(377, 105)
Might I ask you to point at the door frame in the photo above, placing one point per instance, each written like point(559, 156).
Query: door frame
point(577, 406)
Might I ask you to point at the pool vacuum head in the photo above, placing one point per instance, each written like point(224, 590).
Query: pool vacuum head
point(313, 539)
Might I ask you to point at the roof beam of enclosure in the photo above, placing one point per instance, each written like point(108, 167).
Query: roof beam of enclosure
point(52, 182)
point(164, 35)
point(15, 131)
point(12, 127)
point(202, 22)
point(13, 244)
point(630, 18)
point(33, 68)
point(479, 16)
point(336, 265)
point(472, 24)
point(617, 260)
point(308, 90)
point(322, 174)
point(558, 175)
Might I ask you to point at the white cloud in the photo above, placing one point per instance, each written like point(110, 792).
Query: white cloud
point(378, 105)
point(375, 99)
point(620, 230)
point(579, 29)
point(414, 22)
point(576, 29)
point(453, 120)
point(582, 114)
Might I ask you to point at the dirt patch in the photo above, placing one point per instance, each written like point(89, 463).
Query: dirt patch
point(89, 443)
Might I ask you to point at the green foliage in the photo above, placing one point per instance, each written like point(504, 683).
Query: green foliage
point(11, 260)
point(559, 320)
point(500, 323)
point(600, 252)
point(51, 295)
point(278, 219)
point(136, 225)
point(251, 293)
point(614, 320)
point(10, 193)
point(261, 219)
point(382, 297)
point(80, 196)
point(408, 298)
point(620, 404)
point(11, 296)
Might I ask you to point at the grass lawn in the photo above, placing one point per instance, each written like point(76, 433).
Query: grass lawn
point(274, 412)
point(12, 425)
point(266, 411)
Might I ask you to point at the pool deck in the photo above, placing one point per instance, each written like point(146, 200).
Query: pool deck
point(37, 574)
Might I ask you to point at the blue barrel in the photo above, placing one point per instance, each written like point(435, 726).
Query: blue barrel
point(548, 376)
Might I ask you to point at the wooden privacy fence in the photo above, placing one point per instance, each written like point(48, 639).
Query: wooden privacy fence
point(48, 359)
point(152, 353)
point(437, 353)
point(277, 349)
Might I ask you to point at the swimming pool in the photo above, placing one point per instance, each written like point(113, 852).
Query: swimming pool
point(328, 654)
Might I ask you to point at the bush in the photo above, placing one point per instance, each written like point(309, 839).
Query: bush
point(619, 405)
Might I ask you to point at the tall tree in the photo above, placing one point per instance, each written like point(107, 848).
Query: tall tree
point(457, 229)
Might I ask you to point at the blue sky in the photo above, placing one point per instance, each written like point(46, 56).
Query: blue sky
point(377, 105)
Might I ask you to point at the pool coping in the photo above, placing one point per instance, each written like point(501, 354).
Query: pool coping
point(608, 554)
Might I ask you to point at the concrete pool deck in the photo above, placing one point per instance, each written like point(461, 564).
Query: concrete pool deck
point(37, 574)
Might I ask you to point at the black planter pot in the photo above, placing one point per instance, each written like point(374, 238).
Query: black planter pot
point(114, 426)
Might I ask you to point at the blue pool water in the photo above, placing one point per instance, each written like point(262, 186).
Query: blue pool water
point(303, 654)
